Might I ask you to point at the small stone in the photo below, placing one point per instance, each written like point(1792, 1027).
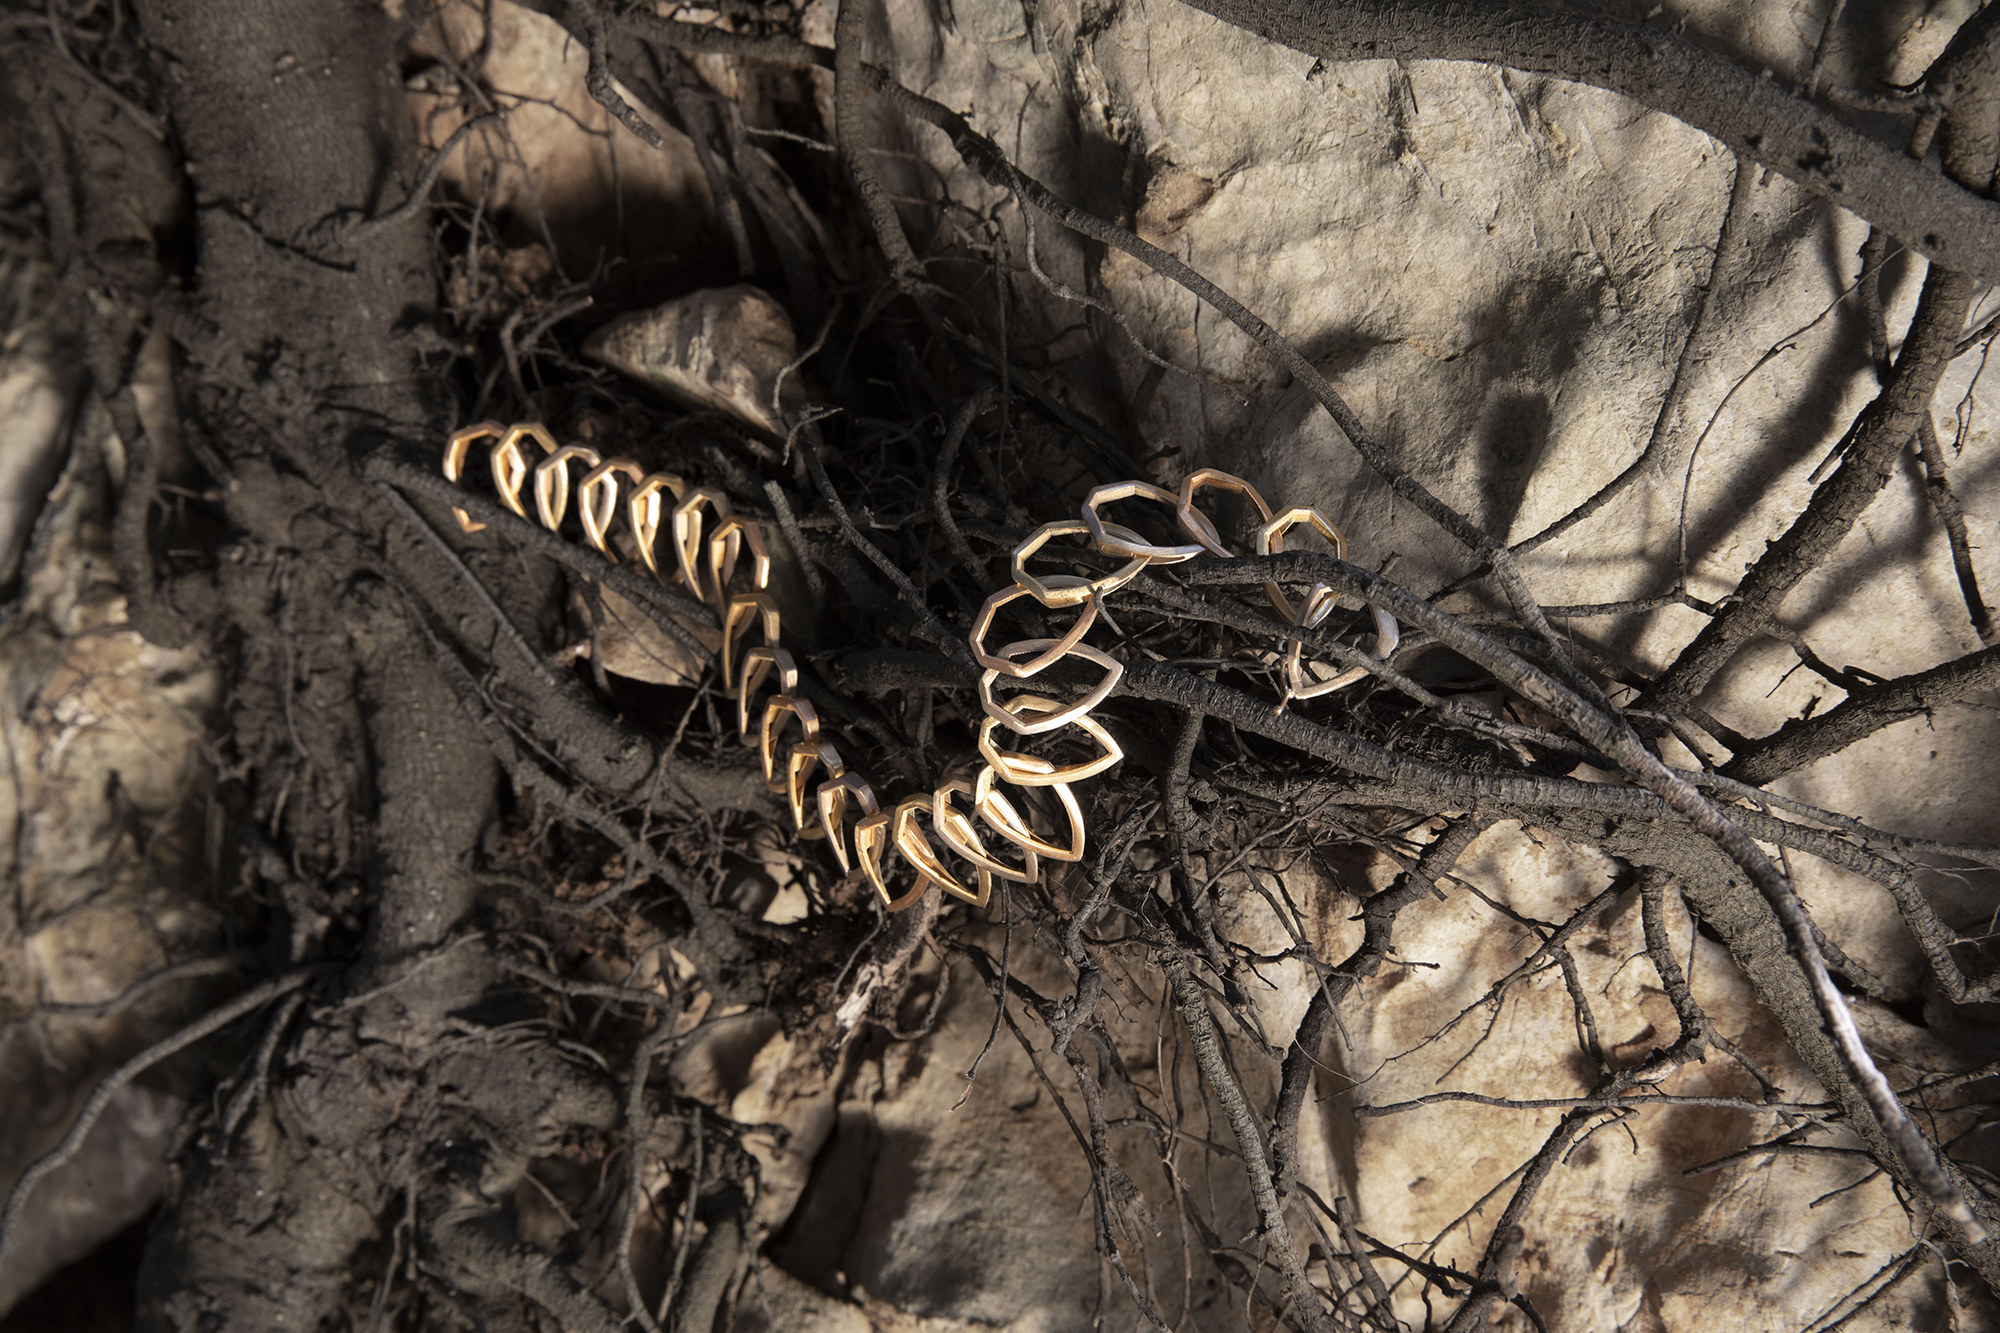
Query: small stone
point(720, 349)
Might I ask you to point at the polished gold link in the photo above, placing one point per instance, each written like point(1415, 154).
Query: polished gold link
point(643, 512)
point(832, 797)
point(1021, 670)
point(1197, 524)
point(1114, 670)
point(1001, 816)
point(687, 534)
point(1051, 594)
point(955, 827)
point(741, 612)
point(597, 499)
point(1122, 542)
point(1026, 770)
point(726, 544)
point(707, 562)
point(918, 850)
point(454, 461)
point(1314, 610)
point(871, 839)
point(799, 764)
point(510, 465)
point(757, 664)
point(552, 482)
point(774, 722)
point(1271, 541)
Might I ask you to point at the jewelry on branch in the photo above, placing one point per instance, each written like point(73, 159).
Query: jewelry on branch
point(708, 541)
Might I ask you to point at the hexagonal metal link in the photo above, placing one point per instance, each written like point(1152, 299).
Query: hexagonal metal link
point(454, 461)
point(871, 838)
point(1129, 545)
point(687, 535)
point(643, 513)
point(597, 499)
point(1026, 770)
point(775, 713)
point(758, 663)
point(552, 482)
point(1197, 524)
point(1271, 541)
point(510, 465)
point(799, 764)
point(741, 612)
point(955, 827)
point(983, 623)
point(1046, 591)
point(918, 850)
point(1001, 816)
point(1114, 671)
point(832, 797)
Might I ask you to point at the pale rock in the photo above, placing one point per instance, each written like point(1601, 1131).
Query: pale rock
point(100, 750)
point(776, 1302)
point(560, 165)
point(720, 350)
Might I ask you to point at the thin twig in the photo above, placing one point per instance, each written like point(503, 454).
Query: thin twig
point(1945, 502)
point(597, 78)
point(954, 436)
point(1192, 1004)
point(425, 179)
point(248, 1002)
point(1729, 245)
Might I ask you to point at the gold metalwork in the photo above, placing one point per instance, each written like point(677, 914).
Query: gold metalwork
point(955, 827)
point(774, 722)
point(510, 466)
point(597, 499)
point(708, 561)
point(1197, 524)
point(757, 664)
point(726, 543)
point(871, 838)
point(687, 534)
point(799, 764)
point(741, 612)
point(1026, 770)
point(552, 482)
point(454, 461)
point(643, 512)
point(1314, 610)
point(1130, 545)
point(1069, 595)
point(1021, 670)
point(1114, 670)
point(1001, 816)
point(1271, 541)
point(923, 857)
point(832, 799)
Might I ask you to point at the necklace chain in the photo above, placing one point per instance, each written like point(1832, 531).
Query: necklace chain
point(708, 542)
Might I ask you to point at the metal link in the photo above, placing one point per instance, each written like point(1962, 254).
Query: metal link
point(707, 564)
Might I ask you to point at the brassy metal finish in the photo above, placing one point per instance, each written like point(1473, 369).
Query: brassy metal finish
point(707, 540)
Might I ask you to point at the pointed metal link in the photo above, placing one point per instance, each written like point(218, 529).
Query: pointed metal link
point(709, 540)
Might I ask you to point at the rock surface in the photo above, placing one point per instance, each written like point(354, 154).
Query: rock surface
point(101, 834)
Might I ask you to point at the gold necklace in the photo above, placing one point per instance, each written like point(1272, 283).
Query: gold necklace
point(708, 542)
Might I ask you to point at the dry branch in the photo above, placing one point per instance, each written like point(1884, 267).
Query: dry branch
point(1754, 116)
